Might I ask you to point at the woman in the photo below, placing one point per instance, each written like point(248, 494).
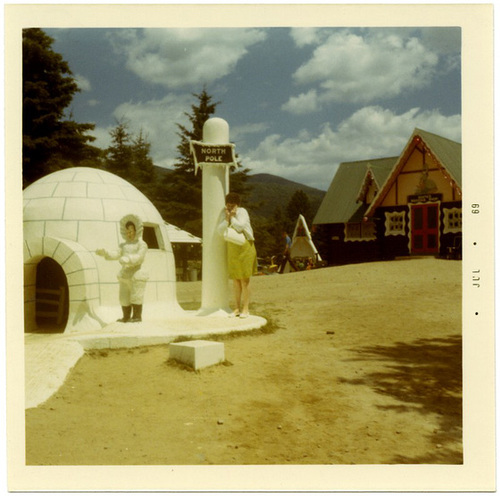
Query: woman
point(242, 260)
point(132, 279)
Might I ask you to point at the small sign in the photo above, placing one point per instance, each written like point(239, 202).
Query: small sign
point(210, 154)
point(425, 198)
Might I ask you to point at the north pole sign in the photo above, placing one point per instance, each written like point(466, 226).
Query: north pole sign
point(210, 154)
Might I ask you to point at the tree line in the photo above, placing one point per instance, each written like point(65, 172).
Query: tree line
point(53, 140)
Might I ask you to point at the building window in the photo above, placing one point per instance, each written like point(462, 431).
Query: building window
point(360, 231)
point(452, 218)
point(395, 223)
point(152, 236)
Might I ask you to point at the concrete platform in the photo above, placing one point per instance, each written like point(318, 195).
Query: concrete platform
point(50, 357)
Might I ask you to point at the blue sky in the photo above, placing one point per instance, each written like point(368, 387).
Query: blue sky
point(298, 101)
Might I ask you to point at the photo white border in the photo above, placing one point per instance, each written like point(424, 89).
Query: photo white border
point(478, 471)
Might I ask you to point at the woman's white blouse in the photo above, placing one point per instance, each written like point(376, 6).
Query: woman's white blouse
point(240, 222)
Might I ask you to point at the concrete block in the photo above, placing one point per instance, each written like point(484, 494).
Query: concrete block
point(197, 354)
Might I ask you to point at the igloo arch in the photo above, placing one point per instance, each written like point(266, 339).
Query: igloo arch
point(67, 215)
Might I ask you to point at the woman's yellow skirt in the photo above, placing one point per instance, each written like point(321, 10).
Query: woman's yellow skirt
point(241, 260)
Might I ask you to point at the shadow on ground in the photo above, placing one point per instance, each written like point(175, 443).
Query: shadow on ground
point(423, 376)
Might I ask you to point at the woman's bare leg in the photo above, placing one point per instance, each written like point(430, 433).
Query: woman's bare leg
point(245, 294)
point(237, 295)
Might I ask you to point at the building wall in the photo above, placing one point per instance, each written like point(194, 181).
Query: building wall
point(330, 242)
point(450, 234)
point(392, 245)
point(410, 181)
point(421, 182)
point(400, 244)
point(333, 247)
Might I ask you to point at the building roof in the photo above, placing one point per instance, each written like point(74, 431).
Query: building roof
point(177, 235)
point(302, 243)
point(340, 203)
point(446, 152)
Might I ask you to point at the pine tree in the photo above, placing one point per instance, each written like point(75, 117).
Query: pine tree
point(269, 234)
point(299, 204)
point(143, 172)
point(50, 141)
point(119, 154)
point(199, 115)
point(143, 167)
point(129, 157)
point(182, 189)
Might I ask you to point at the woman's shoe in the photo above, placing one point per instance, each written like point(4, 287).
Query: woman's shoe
point(244, 315)
point(236, 313)
point(126, 314)
point(137, 315)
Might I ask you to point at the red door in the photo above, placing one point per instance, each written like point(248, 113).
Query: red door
point(425, 228)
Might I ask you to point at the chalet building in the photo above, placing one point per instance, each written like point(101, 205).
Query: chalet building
point(398, 206)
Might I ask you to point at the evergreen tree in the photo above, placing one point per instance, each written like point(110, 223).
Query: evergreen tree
point(129, 157)
point(50, 141)
point(199, 115)
point(299, 204)
point(277, 227)
point(143, 167)
point(119, 154)
point(269, 234)
point(182, 189)
point(143, 170)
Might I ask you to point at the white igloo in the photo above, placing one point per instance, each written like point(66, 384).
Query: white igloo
point(67, 216)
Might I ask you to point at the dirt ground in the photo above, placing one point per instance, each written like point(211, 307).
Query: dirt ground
point(359, 364)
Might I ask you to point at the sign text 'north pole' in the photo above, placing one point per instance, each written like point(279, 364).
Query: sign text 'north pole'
point(205, 154)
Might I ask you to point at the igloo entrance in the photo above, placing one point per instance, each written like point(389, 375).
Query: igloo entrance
point(51, 300)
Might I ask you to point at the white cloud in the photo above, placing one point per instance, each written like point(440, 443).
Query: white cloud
point(371, 132)
point(82, 82)
point(305, 36)
point(178, 57)
point(443, 40)
point(360, 69)
point(157, 119)
point(102, 137)
point(237, 134)
point(305, 103)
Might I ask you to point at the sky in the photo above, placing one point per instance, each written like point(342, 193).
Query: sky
point(298, 101)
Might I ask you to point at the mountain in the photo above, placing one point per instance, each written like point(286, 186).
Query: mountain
point(268, 193)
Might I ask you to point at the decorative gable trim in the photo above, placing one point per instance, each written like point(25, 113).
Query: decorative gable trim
point(415, 141)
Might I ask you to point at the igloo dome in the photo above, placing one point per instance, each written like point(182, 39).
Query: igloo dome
point(67, 216)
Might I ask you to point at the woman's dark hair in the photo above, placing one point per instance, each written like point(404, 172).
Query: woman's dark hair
point(130, 223)
point(233, 198)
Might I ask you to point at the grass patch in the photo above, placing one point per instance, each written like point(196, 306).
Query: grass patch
point(172, 362)
point(270, 328)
